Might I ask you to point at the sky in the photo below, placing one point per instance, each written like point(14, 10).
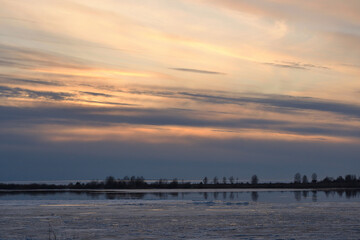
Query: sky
point(179, 89)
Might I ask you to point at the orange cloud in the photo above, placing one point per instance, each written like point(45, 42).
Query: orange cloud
point(173, 134)
point(94, 72)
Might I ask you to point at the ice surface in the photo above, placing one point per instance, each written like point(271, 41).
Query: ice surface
point(177, 219)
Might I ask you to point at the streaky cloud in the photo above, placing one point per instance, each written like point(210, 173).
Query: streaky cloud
point(70, 115)
point(22, 92)
point(73, 115)
point(267, 102)
point(197, 71)
point(109, 103)
point(18, 19)
point(295, 65)
point(21, 57)
point(96, 94)
point(284, 102)
point(10, 79)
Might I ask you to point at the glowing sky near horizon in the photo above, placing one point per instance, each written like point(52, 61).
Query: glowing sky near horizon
point(178, 88)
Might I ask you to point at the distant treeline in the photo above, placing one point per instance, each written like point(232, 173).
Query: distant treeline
point(349, 181)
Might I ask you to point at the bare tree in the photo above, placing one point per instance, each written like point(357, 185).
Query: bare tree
point(254, 179)
point(205, 180)
point(314, 178)
point(215, 180)
point(305, 179)
point(224, 180)
point(350, 178)
point(231, 179)
point(110, 182)
point(297, 178)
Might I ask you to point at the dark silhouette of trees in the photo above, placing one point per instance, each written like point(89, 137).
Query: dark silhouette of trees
point(174, 183)
point(110, 182)
point(254, 179)
point(297, 178)
point(327, 180)
point(162, 181)
point(215, 180)
point(231, 179)
point(205, 180)
point(305, 180)
point(139, 182)
point(350, 178)
point(340, 179)
point(349, 181)
point(314, 178)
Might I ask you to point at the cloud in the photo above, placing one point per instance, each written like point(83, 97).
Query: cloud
point(265, 102)
point(17, 92)
point(6, 63)
point(10, 79)
point(197, 71)
point(108, 103)
point(209, 157)
point(9, 92)
point(74, 115)
point(65, 104)
point(21, 150)
point(295, 65)
point(126, 114)
point(97, 94)
point(19, 57)
point(284, 102)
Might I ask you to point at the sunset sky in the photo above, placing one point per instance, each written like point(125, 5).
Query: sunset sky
point(180, 88)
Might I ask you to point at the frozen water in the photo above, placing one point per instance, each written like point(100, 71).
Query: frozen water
point(151, 217)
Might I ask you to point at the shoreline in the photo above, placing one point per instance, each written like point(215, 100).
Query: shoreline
point(177, 190)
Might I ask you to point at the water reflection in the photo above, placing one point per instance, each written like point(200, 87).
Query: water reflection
point(245, 195)
point(215, 194)
point(254, 196)
point(305, 194)
point(297, 195)
point(314, 196)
